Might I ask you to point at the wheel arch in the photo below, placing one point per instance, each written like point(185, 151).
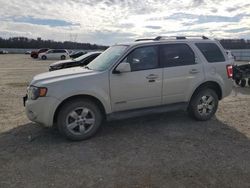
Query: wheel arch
point(211, 85)
point(74, 97)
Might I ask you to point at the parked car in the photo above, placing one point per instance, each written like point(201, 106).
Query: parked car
point(34, 54)
point(27, 52)
point(3, 52)
point(127, 80)
point(77, 54)
point(54, 54)
point(80, 61)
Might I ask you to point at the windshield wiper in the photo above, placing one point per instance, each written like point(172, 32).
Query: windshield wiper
point(86, 67)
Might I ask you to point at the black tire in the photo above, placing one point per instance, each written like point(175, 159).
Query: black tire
point(248, 81)
point(44, 57)
point(237, 81)
point(243, 83)
point(63, 57)
point(64, 116)
point(196, 105)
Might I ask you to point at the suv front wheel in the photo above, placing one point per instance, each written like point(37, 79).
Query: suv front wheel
point(203, 104)
point(79, 119)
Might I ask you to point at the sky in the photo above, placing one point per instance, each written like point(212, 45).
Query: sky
point(116, 21)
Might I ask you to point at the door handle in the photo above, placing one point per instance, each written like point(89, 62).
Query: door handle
point(152, 77)
point(194, 71)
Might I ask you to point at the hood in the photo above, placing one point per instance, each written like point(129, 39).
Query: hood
point(63, 73)
point(62, 62)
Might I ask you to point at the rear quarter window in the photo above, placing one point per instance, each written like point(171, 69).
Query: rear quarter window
point(211, 52)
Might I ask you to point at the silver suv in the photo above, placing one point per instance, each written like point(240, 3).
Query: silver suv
point(143, 77)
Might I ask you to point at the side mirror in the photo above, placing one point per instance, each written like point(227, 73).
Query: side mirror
point(123, 67)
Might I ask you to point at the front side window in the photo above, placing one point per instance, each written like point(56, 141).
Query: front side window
point(107, 58)
point(211, 52)
point(143, 58)
point(172, 55)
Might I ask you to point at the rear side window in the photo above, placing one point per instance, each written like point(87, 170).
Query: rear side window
point(211, 52)
point(172, 55)
point(59, 51)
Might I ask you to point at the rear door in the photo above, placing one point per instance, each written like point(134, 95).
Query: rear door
point(183, 71)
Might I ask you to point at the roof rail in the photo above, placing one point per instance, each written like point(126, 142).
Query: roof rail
point(180, 37)
point(171, 37)
point(137, 40)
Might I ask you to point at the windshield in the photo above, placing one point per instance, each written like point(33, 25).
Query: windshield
point(82, 57)
point(107, 58)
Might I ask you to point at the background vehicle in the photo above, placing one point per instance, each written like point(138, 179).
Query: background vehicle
point(80, 61)
point(230, 56)
point(76, 54)
point(144, 77)
point(3, 52)
point(34, 54)
point(241, 73)
point(54, 54)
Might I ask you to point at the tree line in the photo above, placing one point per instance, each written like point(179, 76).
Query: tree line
point(23, 42)
point(235, 43)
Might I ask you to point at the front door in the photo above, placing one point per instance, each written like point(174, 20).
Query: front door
point(140, 88)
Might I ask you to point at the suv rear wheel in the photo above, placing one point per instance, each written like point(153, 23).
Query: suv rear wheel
point(63, 57)
point(79, 119)
point(203, 104)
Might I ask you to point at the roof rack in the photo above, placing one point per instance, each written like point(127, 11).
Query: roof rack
point(181, 37)
point(137, 40)
point(171, 37)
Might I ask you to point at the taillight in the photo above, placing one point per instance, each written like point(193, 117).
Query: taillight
point(230, 71)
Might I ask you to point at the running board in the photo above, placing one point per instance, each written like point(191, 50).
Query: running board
point(146, 111)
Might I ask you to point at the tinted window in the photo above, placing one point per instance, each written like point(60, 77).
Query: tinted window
point(211, 52)
point(172, 55)
point(143, 58)
point(42, 50)
point(59, 51)
point(91, 58)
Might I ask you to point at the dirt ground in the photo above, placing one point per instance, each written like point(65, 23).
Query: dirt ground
point(167, 150)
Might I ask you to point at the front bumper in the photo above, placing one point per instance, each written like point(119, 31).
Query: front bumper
point(41, 110)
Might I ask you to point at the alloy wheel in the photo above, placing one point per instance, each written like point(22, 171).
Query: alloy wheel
point(80, 121)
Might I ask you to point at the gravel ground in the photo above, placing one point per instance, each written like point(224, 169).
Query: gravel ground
point(167, 150)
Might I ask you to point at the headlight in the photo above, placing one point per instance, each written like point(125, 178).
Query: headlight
point(35, 92)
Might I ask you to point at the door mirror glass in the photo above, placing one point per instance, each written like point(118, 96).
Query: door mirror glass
point(123, 67)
